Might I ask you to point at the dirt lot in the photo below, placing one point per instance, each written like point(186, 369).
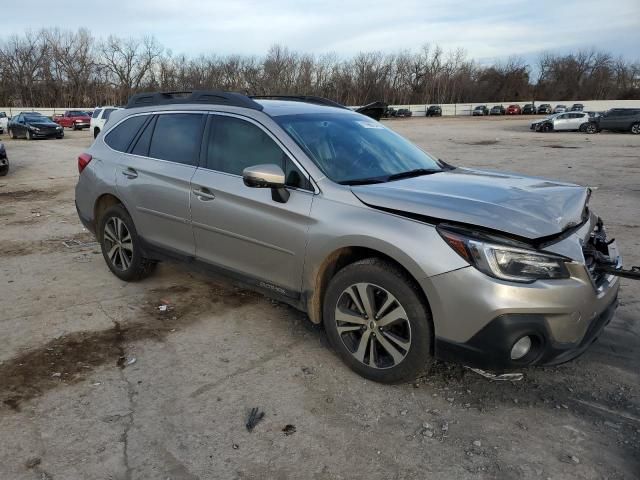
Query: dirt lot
point(74, 406)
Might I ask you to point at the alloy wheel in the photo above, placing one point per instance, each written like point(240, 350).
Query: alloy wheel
point(373, 325)
point(635, 128)
point(118, 243)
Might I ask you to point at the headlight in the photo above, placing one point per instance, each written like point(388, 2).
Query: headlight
point(506, 262)
point(35, 129)
point(58, 127)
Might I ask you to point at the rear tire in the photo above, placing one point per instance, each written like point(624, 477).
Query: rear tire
point(4, 169)
point(378, 348)
point(96, 131)
point(121, 245)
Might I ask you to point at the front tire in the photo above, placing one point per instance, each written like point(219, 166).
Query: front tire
point(375, 318)
point(28, 136)
point(121, 246)
point(12, 134)
point(635, 128)
point(590, 128)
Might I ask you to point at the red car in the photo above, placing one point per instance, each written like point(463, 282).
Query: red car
point(514, 110)
point(75, 119)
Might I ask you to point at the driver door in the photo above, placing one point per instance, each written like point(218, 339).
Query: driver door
point(242, 229)
point(561, 122)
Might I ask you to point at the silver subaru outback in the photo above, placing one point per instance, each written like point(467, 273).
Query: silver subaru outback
point(403, 257)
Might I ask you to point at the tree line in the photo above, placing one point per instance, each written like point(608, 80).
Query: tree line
point(54, 68)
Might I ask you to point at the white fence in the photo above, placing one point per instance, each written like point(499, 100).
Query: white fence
point(450, 109)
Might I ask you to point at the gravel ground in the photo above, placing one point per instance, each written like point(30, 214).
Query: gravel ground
point(97, 383)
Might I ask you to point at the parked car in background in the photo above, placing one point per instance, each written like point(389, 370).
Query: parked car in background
point(373, 110)
point(4, 122)
point(497, 110)
point(568, 121)
point(434, 111)
point(480, 110)
point(545, 108)
point(620, 120)
point(560, 109)
point(99, 118)
point(528, 109)
point(4, 161)
point(404, 112)
point(390, 112)
point(75, 119)
point(577, 107)
point(514, 110)
point(31, 125)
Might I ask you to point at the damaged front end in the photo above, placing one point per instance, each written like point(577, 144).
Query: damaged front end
point(602, 258)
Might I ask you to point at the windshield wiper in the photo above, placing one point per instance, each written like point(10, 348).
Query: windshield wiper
point(364, 181)
point(412, 173)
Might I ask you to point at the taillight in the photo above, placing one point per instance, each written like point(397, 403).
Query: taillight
point(83, 161)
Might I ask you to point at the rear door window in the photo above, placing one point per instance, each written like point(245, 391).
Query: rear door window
point(121, 136)
point(177, 137)
point(106, 114)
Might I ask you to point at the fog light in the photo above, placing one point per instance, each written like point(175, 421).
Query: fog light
point(520, 348)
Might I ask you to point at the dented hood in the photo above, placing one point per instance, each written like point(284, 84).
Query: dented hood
point(527, 207)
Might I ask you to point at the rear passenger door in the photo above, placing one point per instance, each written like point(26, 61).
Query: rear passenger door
point(154, 176)
point(575, 120)
point(243, 229)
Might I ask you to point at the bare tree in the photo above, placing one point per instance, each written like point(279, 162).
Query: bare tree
point(54, 68)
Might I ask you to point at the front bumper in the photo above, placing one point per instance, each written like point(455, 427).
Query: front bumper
point(479, 326)
point(490, 348)
point(47, 134)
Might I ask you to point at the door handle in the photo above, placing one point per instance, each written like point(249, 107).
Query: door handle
point(204, 194)
point(130, 173)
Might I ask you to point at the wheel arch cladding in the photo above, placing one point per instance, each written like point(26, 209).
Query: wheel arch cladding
point(337, 260)
point(103, 202)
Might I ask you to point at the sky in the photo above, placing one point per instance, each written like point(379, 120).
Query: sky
point(487, 30)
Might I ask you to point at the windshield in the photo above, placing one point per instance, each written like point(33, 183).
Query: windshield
point(36, 118)
point(355, 149)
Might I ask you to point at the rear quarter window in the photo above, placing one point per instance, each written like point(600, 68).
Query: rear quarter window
point(121, 136)
point(96, 113)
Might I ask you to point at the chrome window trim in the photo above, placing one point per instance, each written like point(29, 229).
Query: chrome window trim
point(315, 191)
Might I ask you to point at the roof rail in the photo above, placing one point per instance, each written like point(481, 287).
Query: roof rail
point(300, 98)
point(211, 97)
